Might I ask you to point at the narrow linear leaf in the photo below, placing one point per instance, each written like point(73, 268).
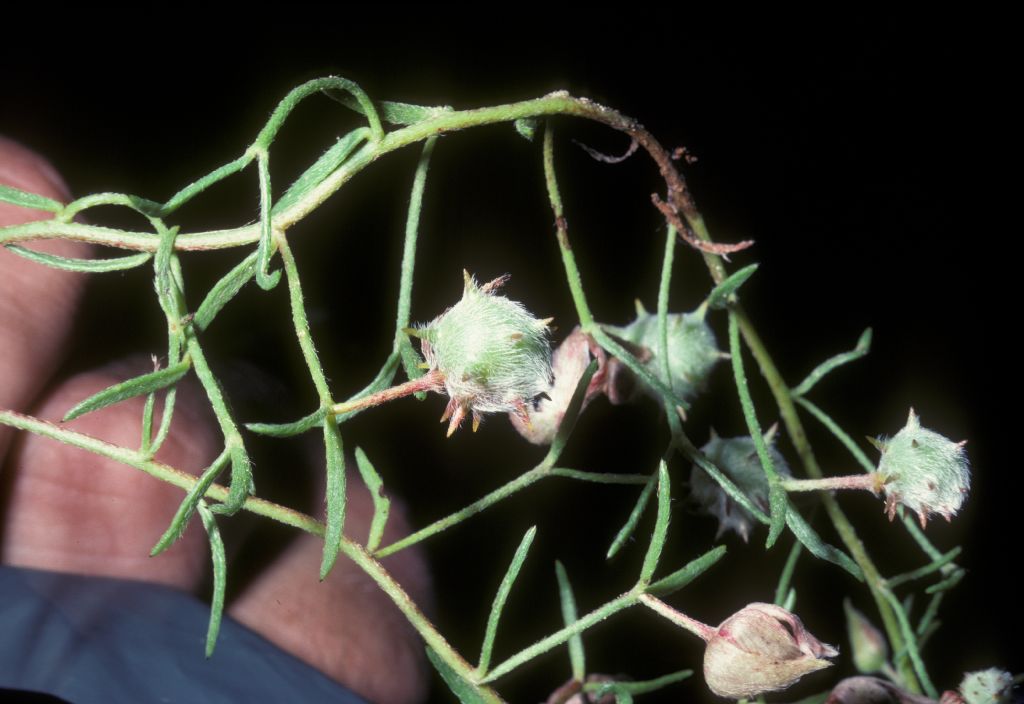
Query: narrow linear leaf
point(266, 279)
point(947, 583)
point(392, 112)
point(723, 294)
point(572, 413)
point(323, 167)
point(223, 291)
point(933, 566)
point(819, 372)
point(789, 603)
point(778, 501)
point(501, 597)
point(89, 266)
point(911, 644)
point(526, 127)
point(188, 505)
point(786, 577)
point(241, 486)
point(467, 692)
point(16, 196)
point(335, 497)
point(577, 658)
point(220, 572)
point(626, 531)
point(147, 424)
point(728, 486)
point(287, 430)
point(818, 547)
point(661, 522)
point(138, 386)
point(381, 503)
point(641, 687)
point(201, 184)
point(683, 576)
point(840, 434)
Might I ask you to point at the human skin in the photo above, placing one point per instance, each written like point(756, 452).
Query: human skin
point(67, 510)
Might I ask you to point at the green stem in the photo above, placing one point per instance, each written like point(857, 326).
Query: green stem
point(701, 630)
point(561, 636)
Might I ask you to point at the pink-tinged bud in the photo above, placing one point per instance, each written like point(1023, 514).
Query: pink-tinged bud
point(761, 648)
point(544, 416)
point(871, 690)
point(870, 649)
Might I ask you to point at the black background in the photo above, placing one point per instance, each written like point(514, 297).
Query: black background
point(860, 157)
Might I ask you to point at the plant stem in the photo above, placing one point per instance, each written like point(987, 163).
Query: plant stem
point(701, 630)
point(434, 381)
point(870, 482)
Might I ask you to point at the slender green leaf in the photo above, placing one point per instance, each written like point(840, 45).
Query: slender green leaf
point(777, 499)
point(730, 488)
point(223, 291)
point(782, 589)
point(526, 127)
point(241, 486)
point(323, 167)
point(265, 250)
point(933, 566)
point(147, 423)
point(137, 386)
point(819, 372)
point(790, 601)
point(683, 576)
point(641, 687)
point(188, 505)
point(634, 365)
point(24, 199)
point(89, 266)
point(381, 503)
point(392, 112)
point(661, 521)
point(287, 430)
point(465, 691)
point(840, 434)
point(818, 547)
point(199, 185)
point(946, 584)
point(577, 659)
point(570, 416)
point(724, 293)
point(664, 287)
point(501, 597)
point(626, 531)
point(335, 497)
point(220, 572)
point(911, 644)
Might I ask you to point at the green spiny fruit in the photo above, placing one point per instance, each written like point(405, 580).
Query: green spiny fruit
point(737, 458)
point(692, 348)
point(991, 686)
point(492, 354)
point(926, 472)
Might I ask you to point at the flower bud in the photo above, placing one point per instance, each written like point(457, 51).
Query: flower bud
point(924, 471)
point(869, 647)
point(761, 648)
point(738, 460)
point(568, 363)
point(991, 686)
point(692, 349)
point(493, 354)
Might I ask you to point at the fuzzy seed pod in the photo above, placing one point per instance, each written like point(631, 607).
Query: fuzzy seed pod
point(492, 353)
point(761, 648)
point(991, 686)
point(692, 349)
point(737, 458)
point(924, 471)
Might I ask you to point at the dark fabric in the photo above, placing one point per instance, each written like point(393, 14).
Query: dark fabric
point(106, 641)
